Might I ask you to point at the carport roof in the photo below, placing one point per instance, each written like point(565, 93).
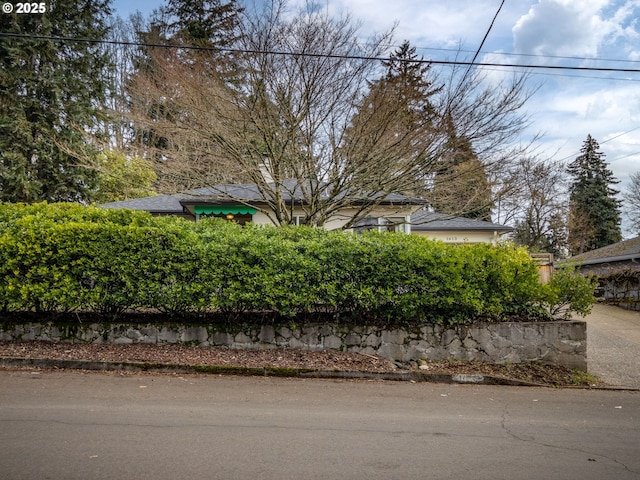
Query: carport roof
point(617, 252)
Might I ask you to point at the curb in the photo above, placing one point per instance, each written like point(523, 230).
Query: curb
point(405, 376)
point(263, 371)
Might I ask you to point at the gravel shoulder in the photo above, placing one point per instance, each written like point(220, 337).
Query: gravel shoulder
point(286, 359)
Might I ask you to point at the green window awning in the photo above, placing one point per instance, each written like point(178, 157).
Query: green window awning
point(223, 210)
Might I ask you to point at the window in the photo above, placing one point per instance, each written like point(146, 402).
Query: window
point(383, 224)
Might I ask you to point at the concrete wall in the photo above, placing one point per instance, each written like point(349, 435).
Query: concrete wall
point(559, 343)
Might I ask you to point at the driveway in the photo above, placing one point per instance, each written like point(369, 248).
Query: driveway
point(613, 345)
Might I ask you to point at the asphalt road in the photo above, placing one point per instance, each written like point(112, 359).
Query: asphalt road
point(613, 345)
point(73, 425)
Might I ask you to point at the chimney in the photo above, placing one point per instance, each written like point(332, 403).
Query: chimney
point(264, 168)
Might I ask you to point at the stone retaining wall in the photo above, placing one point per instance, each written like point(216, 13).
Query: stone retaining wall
point(560, 343)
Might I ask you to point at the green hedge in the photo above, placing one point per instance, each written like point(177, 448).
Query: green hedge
point(68, 257)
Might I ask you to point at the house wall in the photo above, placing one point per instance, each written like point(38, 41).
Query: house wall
point(460, 236)
point(560, 343)
point(337, 222)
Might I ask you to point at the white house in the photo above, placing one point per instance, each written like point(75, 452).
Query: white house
point(242, 203)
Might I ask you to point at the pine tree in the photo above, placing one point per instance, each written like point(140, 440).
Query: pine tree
point(51, 93)
point(407, 82)
point(594, 211)
point(212, 25)
point(208, 23)
point(460, 185)
point(392, 128)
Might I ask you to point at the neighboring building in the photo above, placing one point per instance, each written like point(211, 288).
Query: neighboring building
point(243, 203)
point(618, 268)
point(452, 229)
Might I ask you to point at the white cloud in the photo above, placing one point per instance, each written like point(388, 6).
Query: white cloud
point(563, 27)
point(608, 112)
point(433, 23)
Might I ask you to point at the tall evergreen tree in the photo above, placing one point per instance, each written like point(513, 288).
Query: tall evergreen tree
point(51, 95)
point(460, 185)
point(441, 157)
point(410, 80)
point(208, 23)
point(594, 211)
point(213, 27)
point(396, 120)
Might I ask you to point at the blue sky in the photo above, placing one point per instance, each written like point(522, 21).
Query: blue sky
point(569, 104)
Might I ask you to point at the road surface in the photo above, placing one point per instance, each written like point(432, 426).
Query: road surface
point(74, 425)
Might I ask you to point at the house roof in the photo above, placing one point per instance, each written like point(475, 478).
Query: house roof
point(617, 252)
point(425, 221)
point(169, 204)
point(291, 191)
point(422, 220)
point(234, 193)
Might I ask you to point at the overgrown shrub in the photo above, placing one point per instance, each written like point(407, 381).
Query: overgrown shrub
point(569, 292)
point(66, 257)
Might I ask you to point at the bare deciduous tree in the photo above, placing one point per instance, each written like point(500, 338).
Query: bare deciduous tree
point(538, 205)
point(632, 202)
point(305, 117)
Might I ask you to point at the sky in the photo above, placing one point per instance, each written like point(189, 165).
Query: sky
point(568, 105)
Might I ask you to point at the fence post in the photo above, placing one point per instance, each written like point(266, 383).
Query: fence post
point(545, 266)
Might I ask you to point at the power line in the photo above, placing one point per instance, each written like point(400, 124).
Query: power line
point(533, 55)
point(473, 60)
point(482, 43)
point(624, 156)
point(313, 55)
point(605, 141)
point(566, 75)
point(619, 135)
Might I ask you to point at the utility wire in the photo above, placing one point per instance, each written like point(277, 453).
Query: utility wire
point(533, 55)
point(312, 55)
point(482, 43)
point(602, 143)
point(566, 75)
point(624, 156)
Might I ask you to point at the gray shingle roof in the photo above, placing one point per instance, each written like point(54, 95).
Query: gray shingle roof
point(625, 250)
point(156, 204)
point(243, 192)
point(246, 193)
point(173, 204)
point(291, 190)
point(424, 221)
